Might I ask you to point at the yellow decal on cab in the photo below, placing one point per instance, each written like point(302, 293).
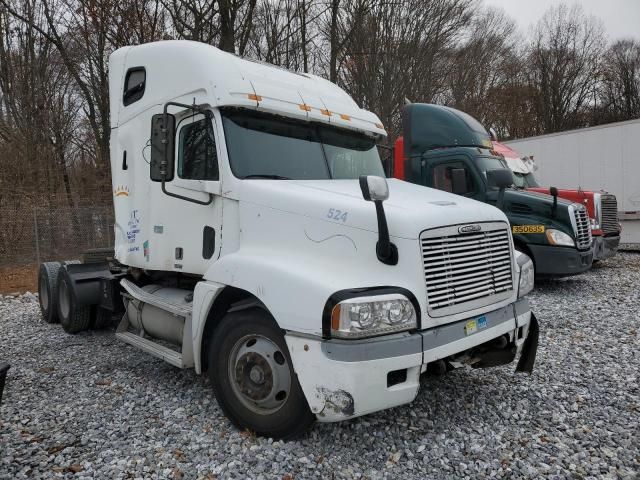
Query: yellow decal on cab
point(527, 229)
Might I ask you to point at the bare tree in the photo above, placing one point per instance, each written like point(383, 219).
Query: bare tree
point(401, 50)
point(479, 65)
point(620, 88)
point(40, 110)
point(564, 61)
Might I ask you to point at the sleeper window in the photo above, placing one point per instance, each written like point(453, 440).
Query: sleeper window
point(197, 156)
point(134, 85)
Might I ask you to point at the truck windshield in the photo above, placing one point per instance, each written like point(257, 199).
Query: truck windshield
point(524, 180)
point(268, 146)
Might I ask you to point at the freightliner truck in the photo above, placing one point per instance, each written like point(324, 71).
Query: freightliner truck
point(254, 243)
point(601, 206)
point(449, 150)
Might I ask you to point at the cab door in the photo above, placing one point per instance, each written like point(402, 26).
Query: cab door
point(192, 238)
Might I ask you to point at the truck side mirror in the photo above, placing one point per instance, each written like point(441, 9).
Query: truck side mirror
point(553, 191)
point(375, 189)
point(500, 178)
point(162, 147)
point(459, 181)
point(493, 135)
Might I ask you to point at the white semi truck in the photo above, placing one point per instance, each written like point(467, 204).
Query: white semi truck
point(253, 244)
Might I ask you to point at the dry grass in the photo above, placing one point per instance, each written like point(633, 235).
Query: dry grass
point(19, 279)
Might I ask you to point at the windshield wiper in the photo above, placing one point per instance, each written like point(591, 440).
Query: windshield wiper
point(267, 176)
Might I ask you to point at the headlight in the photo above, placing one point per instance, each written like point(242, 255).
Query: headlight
point(556, 237)
point(370, 316)
point(527, 275)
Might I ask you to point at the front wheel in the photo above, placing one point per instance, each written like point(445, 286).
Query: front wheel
point(252, 376)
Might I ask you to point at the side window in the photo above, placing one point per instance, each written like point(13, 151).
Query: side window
point(442, 178)
point(197, 156)
point(134, 84)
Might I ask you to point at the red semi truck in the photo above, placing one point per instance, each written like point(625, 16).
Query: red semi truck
point(601, 206)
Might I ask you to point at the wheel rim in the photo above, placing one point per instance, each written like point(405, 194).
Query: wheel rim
point(44, 293)
point(64, 299)
point(259, 374)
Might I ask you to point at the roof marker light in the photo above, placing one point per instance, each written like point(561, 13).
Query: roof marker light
point(253, 96)
point(345, 117)
point(326, 112)
point(380, 126)
point(305, 107)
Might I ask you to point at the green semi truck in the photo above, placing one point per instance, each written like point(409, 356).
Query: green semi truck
point(447, 149)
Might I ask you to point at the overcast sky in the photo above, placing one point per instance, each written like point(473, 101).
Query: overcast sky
point(621, 18)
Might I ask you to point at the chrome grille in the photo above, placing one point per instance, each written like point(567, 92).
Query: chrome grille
point(583, 228)
point(465, 268)
point(609, 220)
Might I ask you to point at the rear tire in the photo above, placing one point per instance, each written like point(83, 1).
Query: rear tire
point(252, 376)
point(48, 291)
point(73, 318)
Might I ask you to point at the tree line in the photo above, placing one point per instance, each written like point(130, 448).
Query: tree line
point(54, 106)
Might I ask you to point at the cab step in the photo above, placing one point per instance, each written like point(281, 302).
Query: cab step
point(153, 348)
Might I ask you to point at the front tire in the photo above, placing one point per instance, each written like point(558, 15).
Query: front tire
point(252, 376)
point(73, 318)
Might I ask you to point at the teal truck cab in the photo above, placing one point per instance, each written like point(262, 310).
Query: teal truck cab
point(449, 150)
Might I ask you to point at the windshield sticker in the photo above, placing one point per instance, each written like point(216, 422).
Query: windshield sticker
point(335, 214)
point(527, 229)
point(145, 247)
point(121, 191)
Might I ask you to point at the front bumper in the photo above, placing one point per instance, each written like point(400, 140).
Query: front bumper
point(605, 247)
point(342, 379)
point(553, 261)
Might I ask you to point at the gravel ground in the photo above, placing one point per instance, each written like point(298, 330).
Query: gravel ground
point(90, 406)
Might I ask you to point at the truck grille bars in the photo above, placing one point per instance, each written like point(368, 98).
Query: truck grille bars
point(466, 270)
point(583, 229)
point(609, 220)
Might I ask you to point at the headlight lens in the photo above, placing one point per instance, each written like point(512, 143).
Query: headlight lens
point(556, 237)
point(527, 275)
point(370, 316)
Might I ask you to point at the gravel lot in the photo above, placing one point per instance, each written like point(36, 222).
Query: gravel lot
point(90, 406)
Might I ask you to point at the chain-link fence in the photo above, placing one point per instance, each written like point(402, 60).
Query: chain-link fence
point(40, 234)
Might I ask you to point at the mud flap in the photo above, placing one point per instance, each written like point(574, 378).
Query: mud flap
point(529, 348)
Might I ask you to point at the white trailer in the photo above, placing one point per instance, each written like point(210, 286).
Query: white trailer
point(606, 157)
point(253, 245)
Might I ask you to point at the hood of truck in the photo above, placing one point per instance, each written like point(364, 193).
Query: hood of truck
point(576, 196)
point(410, 208)
point(532, 198)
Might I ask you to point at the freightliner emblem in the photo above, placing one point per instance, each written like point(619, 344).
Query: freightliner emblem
point(469, 228)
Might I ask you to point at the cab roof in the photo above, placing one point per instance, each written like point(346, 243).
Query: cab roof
point(181, 71)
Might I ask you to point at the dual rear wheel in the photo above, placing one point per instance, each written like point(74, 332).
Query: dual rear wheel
point(56, 299)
